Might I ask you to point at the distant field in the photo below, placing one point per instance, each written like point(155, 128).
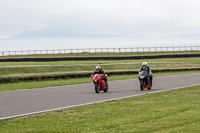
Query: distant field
point(24, 71)
point(169, 111)
point(104, 54)
point(38, 69)
point(195, 60)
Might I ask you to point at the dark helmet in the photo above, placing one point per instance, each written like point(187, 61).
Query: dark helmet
point(98, 68)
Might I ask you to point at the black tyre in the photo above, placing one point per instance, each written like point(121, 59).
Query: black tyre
point(97, 88)
point(142, 85)
point(149, 88)
point(106, 89)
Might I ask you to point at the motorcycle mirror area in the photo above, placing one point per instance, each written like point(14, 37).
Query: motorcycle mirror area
point(92, 75)
point(101, 75)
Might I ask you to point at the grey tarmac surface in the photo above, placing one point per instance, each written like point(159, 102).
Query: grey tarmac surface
point(26, 102)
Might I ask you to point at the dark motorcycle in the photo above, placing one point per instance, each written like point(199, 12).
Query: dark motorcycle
point(144, 80)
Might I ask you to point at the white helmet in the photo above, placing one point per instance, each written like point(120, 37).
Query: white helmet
point(144, 64)
point(98, 68)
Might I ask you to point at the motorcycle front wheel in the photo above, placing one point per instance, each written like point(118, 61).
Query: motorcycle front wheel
point(106, 89)
point(97, 88)
point(142, 84)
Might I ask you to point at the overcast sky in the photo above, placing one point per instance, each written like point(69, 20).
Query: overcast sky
point(157, 20)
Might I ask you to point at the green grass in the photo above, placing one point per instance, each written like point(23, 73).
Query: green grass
point(105, 54)
point(195, 60)
point(174, 111)
point(29, 71)
point(61, 82)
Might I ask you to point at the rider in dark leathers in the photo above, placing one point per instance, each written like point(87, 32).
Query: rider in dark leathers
point(146, 68)
point(100, 71)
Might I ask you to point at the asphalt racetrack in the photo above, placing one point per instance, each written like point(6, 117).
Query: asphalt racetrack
point(33, 101)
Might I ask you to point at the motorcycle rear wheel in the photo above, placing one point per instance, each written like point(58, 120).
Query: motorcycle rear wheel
point(97, 88)
point(149, 88)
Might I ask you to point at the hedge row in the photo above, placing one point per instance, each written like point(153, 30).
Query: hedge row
point(99, 58)
point(66, 76)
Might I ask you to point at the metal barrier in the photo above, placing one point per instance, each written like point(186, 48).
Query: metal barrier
point(101, 50)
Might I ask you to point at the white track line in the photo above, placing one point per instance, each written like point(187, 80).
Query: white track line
point(15, 116)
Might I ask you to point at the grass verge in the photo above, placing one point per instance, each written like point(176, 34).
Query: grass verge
point(31, 71)
point(52, 83)
point(169, 111)
point(195, 60)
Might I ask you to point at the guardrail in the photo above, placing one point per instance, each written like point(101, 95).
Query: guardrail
point(101, 50)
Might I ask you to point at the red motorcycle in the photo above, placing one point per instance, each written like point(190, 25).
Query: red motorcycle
point(99, 83)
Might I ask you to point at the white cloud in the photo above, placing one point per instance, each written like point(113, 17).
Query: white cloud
point(147, 18)
point(3, 37)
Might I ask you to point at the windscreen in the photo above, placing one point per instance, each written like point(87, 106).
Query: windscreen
point(143, 73)
point(96, 75)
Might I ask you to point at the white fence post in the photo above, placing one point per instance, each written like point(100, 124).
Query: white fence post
point(101, 50)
